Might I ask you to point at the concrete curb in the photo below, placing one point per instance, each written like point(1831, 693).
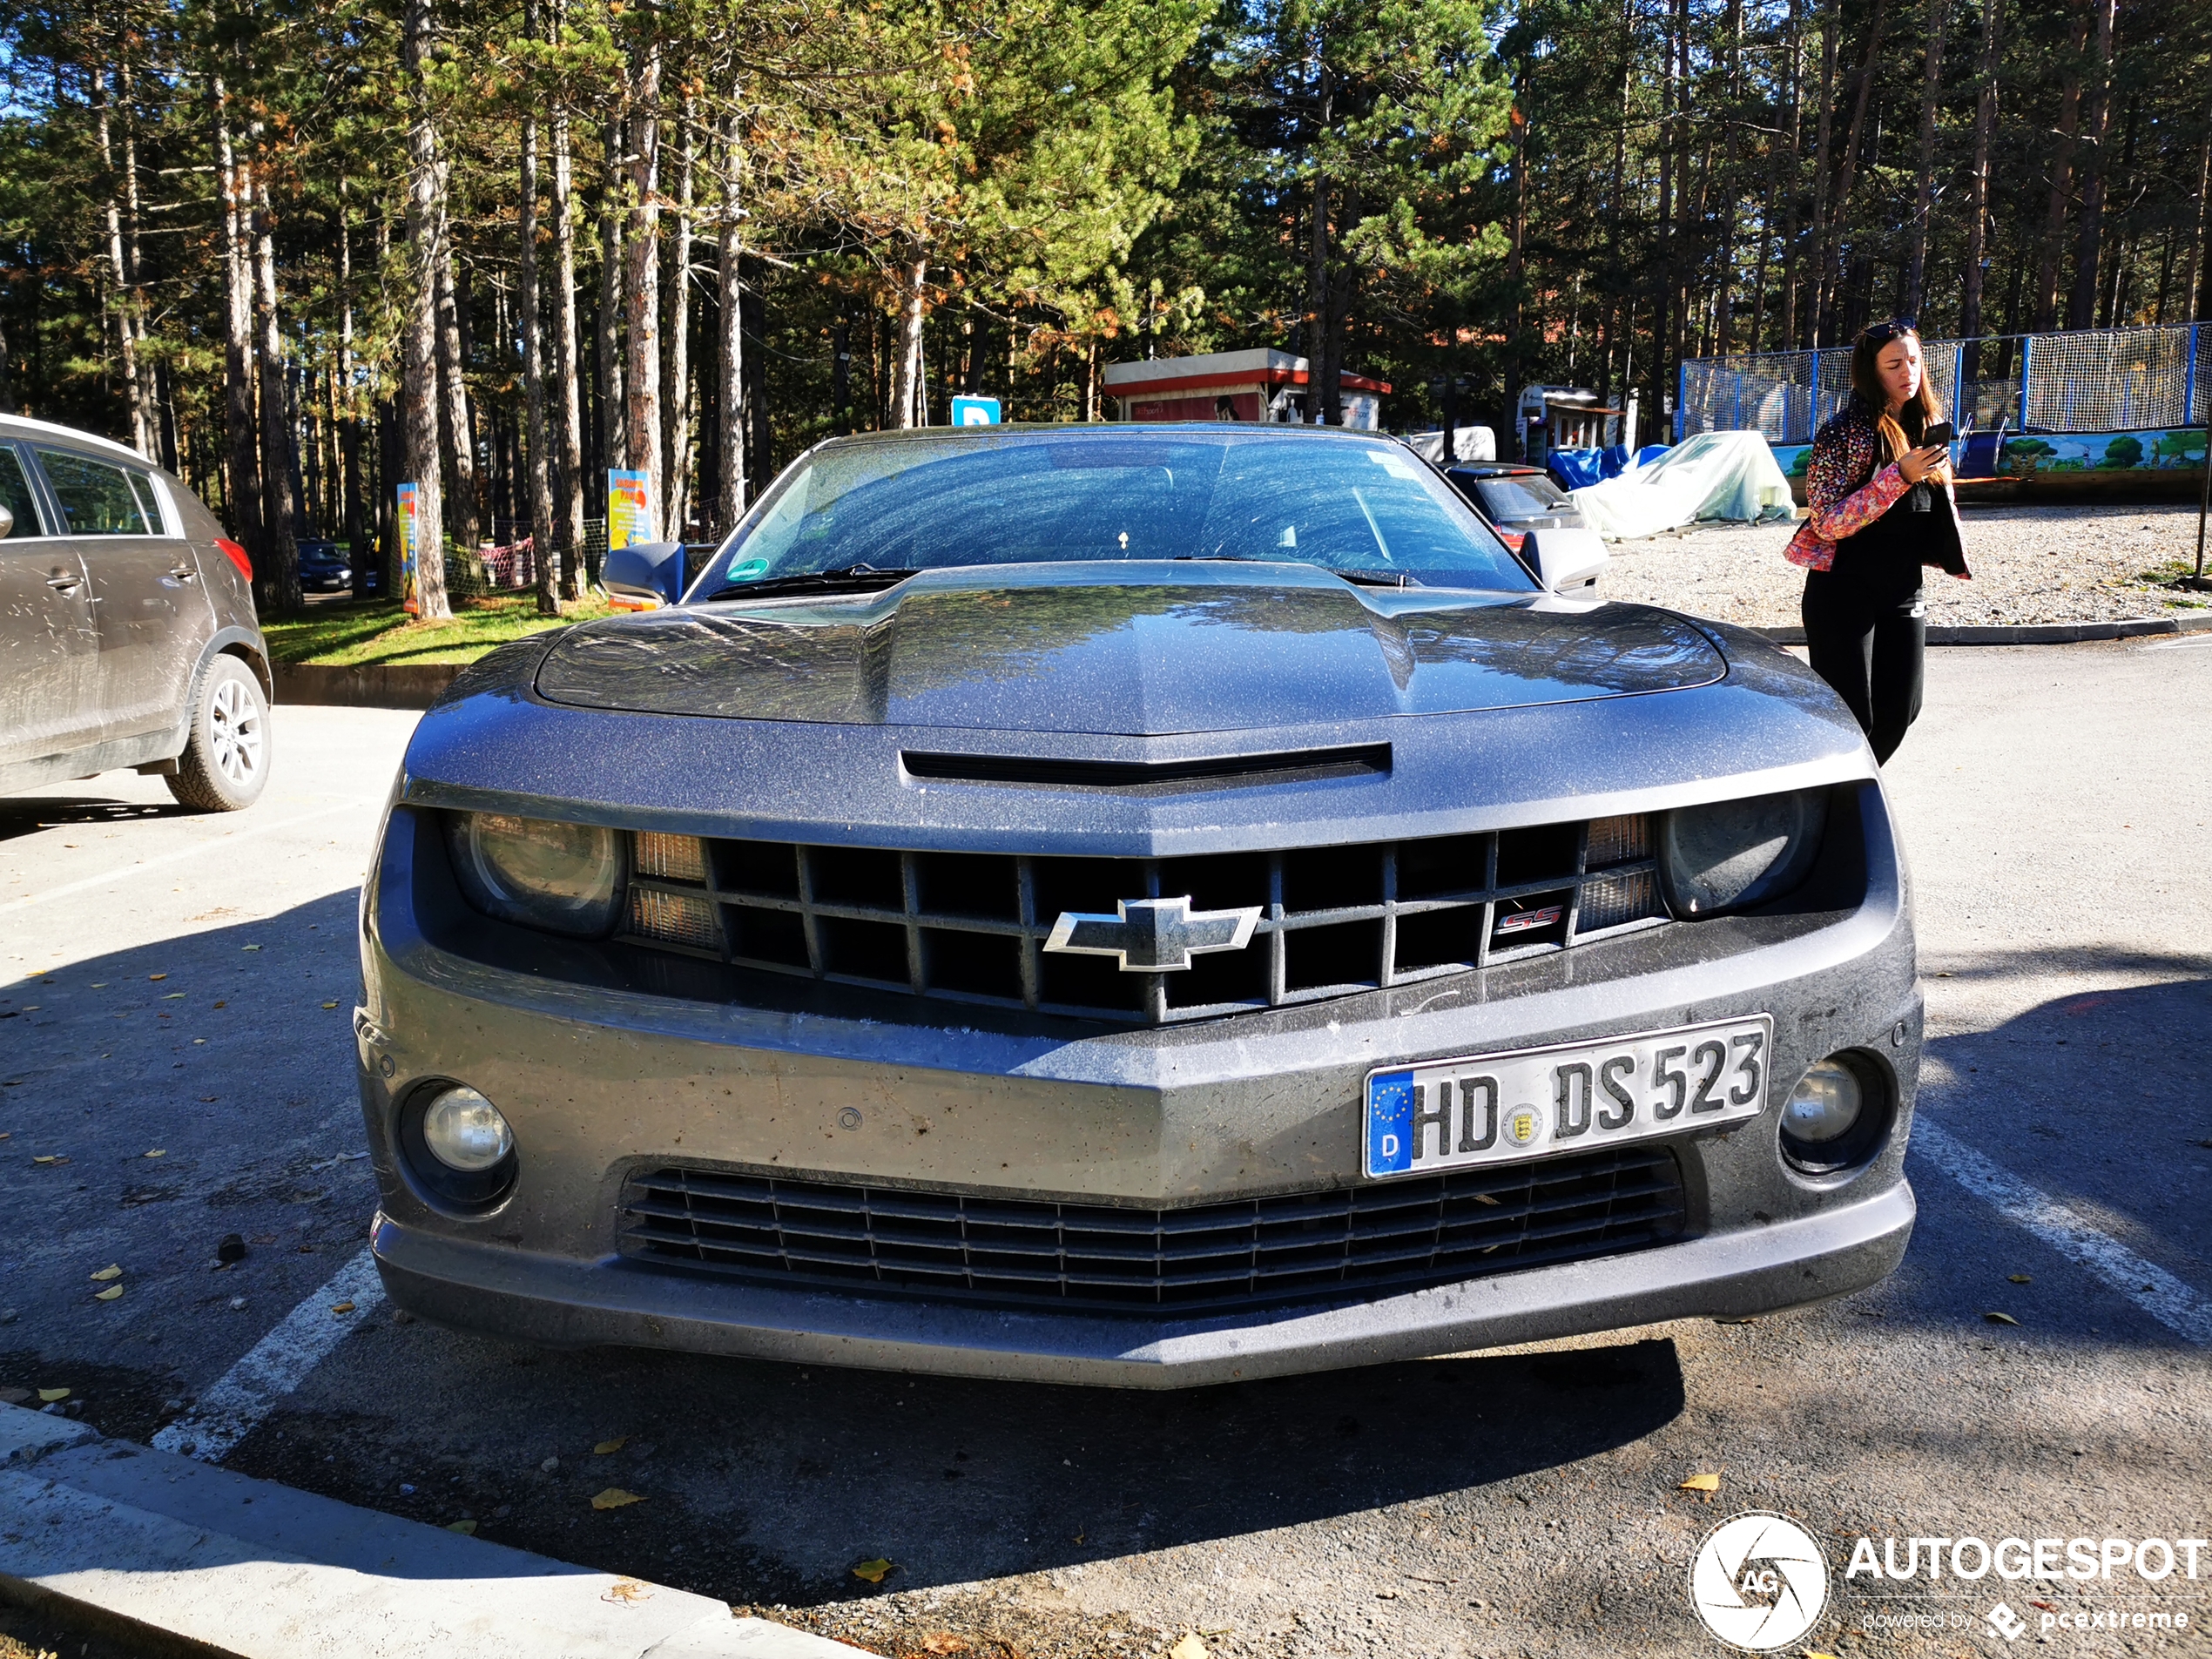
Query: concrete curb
point(2039, 633)
point(208, 1562)
point(375, 685)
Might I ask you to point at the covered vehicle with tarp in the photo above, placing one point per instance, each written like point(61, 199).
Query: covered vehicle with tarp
point(1729, 476)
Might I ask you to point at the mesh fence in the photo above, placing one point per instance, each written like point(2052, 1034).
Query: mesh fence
point(2103, 379)
point(507, 562)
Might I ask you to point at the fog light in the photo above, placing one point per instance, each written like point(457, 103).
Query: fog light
point(464, 1131)
point(1825, 1104)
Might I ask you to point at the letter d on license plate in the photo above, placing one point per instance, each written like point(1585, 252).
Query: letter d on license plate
point(1546, 1102)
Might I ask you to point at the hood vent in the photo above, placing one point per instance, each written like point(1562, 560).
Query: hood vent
point(1154, 777)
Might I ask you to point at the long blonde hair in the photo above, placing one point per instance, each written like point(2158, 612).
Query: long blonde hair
point(1866, 381)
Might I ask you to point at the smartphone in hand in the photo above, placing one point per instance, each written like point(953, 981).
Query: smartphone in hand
point(1940, 432)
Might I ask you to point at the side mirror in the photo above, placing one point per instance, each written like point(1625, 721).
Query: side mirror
point(1565, 559)
point(7, 523)
point(643, 575)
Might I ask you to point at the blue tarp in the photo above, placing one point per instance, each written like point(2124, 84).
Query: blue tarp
point(1572, 469)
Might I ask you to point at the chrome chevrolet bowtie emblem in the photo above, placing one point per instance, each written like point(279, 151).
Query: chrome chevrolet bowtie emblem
point(1153, 936)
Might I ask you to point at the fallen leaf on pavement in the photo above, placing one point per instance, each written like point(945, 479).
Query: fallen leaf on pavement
point(249, 948)
point(614, 1498)
point(1708, 1484)
point(2020, 1278)
point(50, 1395)
point(173, 996)
point(223, 1004)
point(158, 1152)
point(627, 1590)
point(330, 1005)
point(466, 1528)
point(614, 1445)
point(341, 1307)
point(107, 1273)
point(109, 1294)
point(2000, 1319)
point(1193, 1646)
point(875, 1572)
point(50, 1157)
point(156, 976)
point(943, 1641)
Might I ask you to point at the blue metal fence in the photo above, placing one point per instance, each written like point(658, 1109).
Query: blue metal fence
point(2093, 380)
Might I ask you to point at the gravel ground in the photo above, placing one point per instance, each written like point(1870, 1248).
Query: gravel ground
point(2030, 564)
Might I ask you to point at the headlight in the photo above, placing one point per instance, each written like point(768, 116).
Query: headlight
point(563, 877)
point(1735, 853)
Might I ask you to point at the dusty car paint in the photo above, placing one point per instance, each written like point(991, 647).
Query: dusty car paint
point(788, 721)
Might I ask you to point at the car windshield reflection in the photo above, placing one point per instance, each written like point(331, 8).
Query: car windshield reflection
point(1364, 508)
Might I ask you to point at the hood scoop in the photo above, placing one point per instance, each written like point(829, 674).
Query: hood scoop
point(1139, 649)
point(1143, 778)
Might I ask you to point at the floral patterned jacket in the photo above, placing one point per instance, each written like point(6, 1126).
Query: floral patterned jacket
point(1848, 487)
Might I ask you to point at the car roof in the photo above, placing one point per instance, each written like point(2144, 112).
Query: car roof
point(1106, 430)
point(74, 434)
point(1499, 469)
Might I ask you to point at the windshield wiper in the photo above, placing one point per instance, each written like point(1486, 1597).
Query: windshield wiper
point(845, 579)
point(1376, 578)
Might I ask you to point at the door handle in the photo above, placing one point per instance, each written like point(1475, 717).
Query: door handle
point(183, 572)
point(63, 584)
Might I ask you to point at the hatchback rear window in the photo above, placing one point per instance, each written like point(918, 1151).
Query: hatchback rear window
point(1518, 497)
point(16, 496)
point(96, 499)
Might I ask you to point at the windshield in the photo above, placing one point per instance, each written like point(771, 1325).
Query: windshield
point(1518, 497)
point(1010, 496)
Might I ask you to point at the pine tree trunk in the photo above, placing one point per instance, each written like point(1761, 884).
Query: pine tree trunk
point(243, 488)
point(349, 431)
point(539, 487)
point(1724, 299)
point(677, 425)
point(1317, 307)
point(906, 384)
point(279, 440)
point(162, 441)
point(2063, 146)
point(565, 456)
point(2082, 304)
point(1970, 323)
point(729, 325)
point(1924, 197)
point(641, 282)
point(462, 507)
point(1847, 170)
point(1817, 232)
point(2193, 269)
point(426, 229)
point(118, 300)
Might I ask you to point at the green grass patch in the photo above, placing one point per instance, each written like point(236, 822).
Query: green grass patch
point(352, 634)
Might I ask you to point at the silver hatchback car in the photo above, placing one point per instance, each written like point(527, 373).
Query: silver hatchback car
point(1140, 906)
point(127, 631)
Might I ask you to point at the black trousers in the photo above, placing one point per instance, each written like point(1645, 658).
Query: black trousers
point(1869, 641)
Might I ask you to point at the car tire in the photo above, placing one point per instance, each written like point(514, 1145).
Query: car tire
point(225, 760)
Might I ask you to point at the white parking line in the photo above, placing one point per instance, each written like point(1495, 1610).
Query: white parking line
point(2150, 1287)
point(198, 849)
point(275, 1366)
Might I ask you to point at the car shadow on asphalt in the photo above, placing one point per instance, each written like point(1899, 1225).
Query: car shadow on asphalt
point(27, 816)
point(2100, 1100)
point(767, 1483)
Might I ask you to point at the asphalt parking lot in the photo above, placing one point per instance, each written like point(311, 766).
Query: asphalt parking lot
point(175, 1049)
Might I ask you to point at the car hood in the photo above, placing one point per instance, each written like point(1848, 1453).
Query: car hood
point(1139, 649)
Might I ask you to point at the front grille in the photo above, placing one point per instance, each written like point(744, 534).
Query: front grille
point(1386, 1236)
point(972, 926)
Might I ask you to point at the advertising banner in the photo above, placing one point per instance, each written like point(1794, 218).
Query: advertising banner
point(628, 509)
point(410, 593)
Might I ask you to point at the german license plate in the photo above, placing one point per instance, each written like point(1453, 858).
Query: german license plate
point(1544, 1102)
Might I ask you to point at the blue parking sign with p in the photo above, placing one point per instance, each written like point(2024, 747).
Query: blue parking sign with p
point(975, 411)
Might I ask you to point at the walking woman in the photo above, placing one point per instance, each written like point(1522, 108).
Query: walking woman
point(1879, 487)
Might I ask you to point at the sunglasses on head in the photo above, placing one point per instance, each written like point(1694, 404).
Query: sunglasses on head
point(1881, 334)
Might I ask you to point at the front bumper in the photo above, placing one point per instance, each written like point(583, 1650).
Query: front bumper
point(601, 1082)
point(541, 1300)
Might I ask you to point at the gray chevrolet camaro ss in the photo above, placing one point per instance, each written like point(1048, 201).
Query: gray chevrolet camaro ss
point(1132, 906)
